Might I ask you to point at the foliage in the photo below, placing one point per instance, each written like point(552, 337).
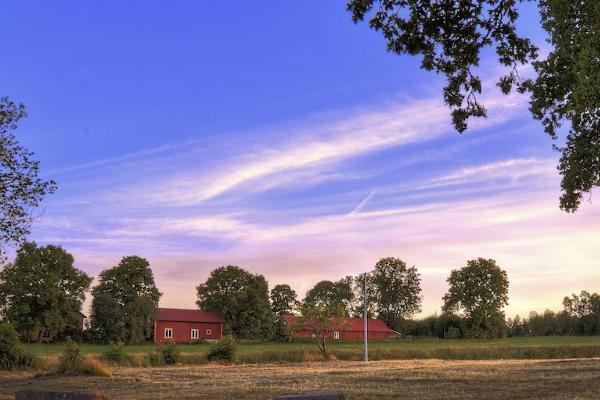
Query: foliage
point(479, 291)
point(444, 326)
point(42, 290)
point(567, 88)
point(115, 352)
point(581, 316)
point(73, 362)
point(21, 188)
point(397, 290)
point(331, 296)
point(321, 319)
point(515, 327)
point(583, 305)
point(283, 300)
point(223, 350)
point(168, 353)
point(71, 358)
point(12, 354)
point(281, 331)
point(241, 298)
point(124, 302)
point(107, 321)
point(450, 36)
point(358, 306)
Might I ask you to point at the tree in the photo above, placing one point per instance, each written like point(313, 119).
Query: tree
point(21, 188)
point(450, 35)
point(479, 291)
point(283, 300)
point(12, 353)
point(321, 320)
point(398, 290)
point(107, 323)
point(333, 296)
point(358, 288)
point(42, 290)
point(241, 298)
point(124, 302)
point(567, 89)
point(516, 327)
point(586, 309)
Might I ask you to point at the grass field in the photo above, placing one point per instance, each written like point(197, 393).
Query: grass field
point(383, 380)
point(511, 348)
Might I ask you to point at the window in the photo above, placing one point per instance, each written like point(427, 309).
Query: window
point(168, 333)
point(336, 335)
point(194, 334)
point(208, 332)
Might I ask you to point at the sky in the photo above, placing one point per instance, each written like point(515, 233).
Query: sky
point(283, 138)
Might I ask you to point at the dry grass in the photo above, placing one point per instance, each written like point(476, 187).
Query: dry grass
point(409, 379)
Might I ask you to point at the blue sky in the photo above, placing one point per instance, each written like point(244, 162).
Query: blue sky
point(283, 138)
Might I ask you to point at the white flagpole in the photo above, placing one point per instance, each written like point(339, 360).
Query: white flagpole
point(366, 322)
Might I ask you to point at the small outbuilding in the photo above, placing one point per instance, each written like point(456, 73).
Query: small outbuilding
point(349, 329)
point(186, 326)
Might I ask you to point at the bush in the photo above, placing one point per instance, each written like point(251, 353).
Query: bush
point(167, 353)
point(72, 362)
point(115, 353)
point(12, 354)
point(223, 350)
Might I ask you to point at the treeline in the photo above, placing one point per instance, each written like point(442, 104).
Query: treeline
point(41, 294)
point(580, 317)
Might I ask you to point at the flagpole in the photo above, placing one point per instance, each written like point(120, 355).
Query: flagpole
point(366, 321)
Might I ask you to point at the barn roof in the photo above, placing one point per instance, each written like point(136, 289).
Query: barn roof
point(350, 324)
point(182, 315)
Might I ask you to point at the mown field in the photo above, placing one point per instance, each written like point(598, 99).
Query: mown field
point(382, 380)
point(551, 347)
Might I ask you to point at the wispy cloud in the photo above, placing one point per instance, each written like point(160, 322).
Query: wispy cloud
point(363, 203)
point(505, 169)
point(298, 202)
point(248, 165)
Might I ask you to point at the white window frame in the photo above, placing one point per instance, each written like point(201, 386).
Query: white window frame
point(194, 334)
point(170, 335)
point(336, 335)
point(208, 332)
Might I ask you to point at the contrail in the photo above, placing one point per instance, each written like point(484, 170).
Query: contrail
point(363, 203)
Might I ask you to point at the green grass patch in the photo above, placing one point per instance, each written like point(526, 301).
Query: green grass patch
point(551, 347)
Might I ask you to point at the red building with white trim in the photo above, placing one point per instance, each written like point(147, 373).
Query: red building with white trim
point(186, 326)
point(350, 329)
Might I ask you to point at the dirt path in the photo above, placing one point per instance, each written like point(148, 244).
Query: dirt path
point(419, 379)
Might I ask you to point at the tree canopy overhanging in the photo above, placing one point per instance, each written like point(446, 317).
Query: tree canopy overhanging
point(450, 35)
point(21, 188)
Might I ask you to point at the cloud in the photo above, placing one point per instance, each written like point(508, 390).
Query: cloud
point(363, 203)
point(511, 169)
point(314, 148)
point(277, 201)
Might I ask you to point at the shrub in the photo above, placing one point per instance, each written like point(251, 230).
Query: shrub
point(115, 353)
point(72, 362)
point(12, 354)
point(168, 353)
point(453, 333)
point(223, 350)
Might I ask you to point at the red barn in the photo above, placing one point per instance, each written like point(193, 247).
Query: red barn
point(185, 326)
point(351, 329)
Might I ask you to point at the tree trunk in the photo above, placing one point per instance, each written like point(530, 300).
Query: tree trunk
point(322, 344)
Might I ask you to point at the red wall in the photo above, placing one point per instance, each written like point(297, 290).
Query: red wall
point(348, 335)
point(182, 331)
